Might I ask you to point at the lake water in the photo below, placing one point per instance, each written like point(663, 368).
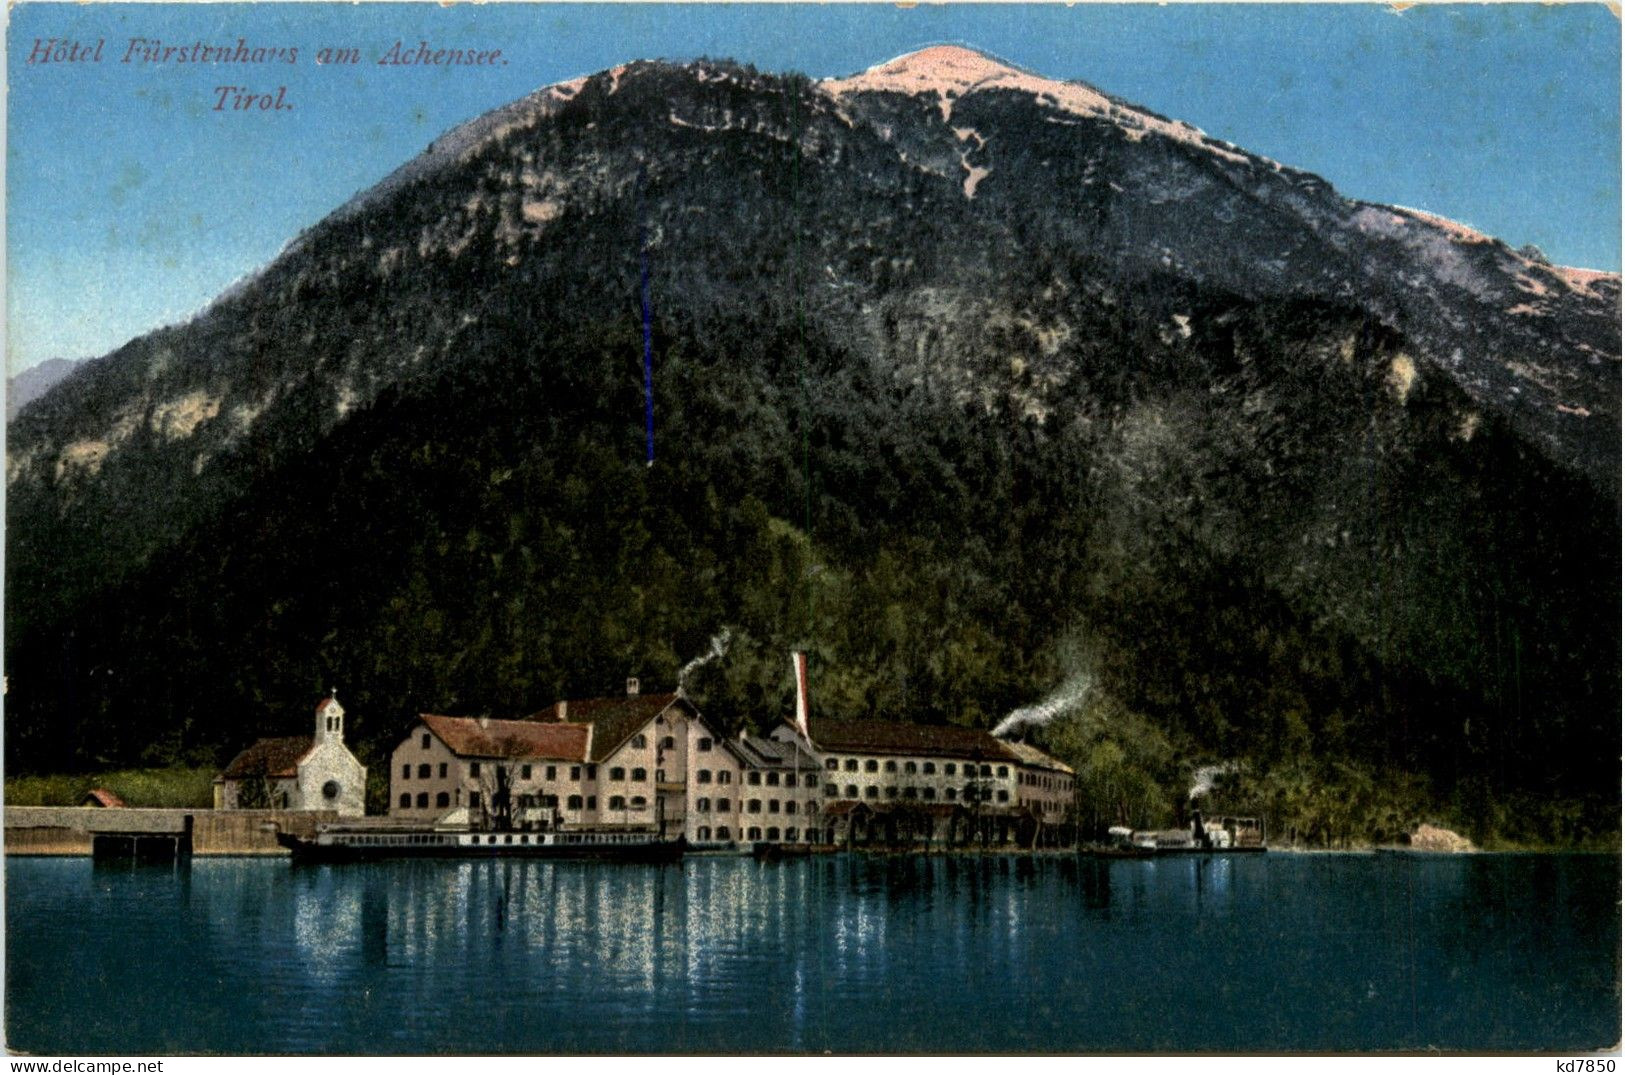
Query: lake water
point(844, 953)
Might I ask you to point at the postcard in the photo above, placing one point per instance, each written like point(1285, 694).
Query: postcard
point(711, 529)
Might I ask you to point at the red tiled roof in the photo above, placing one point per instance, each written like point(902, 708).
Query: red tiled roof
point(613, 720)
point(101, 797)
point(270, 757)
point(891, 737)
point(470, 738)
point(321, 705)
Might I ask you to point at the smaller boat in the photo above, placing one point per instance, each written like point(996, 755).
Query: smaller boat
point(335, 844)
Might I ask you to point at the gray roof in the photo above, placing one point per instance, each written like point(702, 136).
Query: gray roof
point(760, 751)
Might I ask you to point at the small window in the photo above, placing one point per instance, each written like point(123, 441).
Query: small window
point(772, 780)
point(660, 776)
point(724, 776)
point(830, 791)
point(442, 800)
point(574, 802)
point(832, 763)
point(592, 773)
point(928, 767)
point(425, 741)
point(790, 835)
point(871, 766)
point(592, 802)
point(524, 772)
point(754, 806)
point(406, 800)
point(575, 772)
point(639, 741)
point(423, 800)
point(703, 745)
point(851, 765)
point(810, 780)
point(908, 767)
point(773, 833)
point(722, 832)
point(911, 793)
point(1004, 770)
point(754, 834)
point(702, 777)
point(987, 770)
point(948, 769)
point(442, 770)
point(891, 766)
point(668, 743)
point(552, 772)
point(950, 794)
point(871, 792)
point(1004, 796)
point(473, 800)
point(617, 774)
point(474, 768)
point(929, 793)
point(640, 774)
point(702, 806)
point(790, 806)
point(617, 802)
point(639, 802)
point(772, 806)
point(753, 778)
point(406, 772)
point(812, 807)
point(423, 772)
point(723, 806)
point(851, 791)
point(702, 833)
point(891, 792)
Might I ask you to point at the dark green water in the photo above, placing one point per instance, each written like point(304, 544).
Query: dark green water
point(851, 954)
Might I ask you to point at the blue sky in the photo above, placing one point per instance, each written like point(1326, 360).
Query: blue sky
point(131, 202)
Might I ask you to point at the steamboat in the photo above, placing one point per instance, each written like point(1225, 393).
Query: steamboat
point(336, 844)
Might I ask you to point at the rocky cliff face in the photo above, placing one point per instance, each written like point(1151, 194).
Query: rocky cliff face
point(1358, 463)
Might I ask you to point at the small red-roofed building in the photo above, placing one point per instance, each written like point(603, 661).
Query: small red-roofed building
point(101, 797)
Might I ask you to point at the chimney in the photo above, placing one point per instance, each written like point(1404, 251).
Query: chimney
point(561, 710)
point(798, 668)
point(631, 685)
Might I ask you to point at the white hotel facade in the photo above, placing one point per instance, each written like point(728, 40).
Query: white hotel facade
point(652, 763)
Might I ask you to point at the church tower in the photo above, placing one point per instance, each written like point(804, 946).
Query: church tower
point(329, 719)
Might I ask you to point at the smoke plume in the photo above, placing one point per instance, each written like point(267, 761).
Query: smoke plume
point(1067, 697)
point(718, 647)
point(1202, 782)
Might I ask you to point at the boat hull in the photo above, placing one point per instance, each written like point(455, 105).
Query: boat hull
point(316, 851)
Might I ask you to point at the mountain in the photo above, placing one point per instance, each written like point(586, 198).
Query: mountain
point(34, 382)
point(965, 378)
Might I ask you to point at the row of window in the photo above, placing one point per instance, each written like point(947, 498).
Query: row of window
point(703, 805)
point(754, 777)
point(927, 768)
point(929, 794)
point(1055, 783)
point(617, 774)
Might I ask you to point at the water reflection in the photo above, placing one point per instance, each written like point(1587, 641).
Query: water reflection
point(843, 953)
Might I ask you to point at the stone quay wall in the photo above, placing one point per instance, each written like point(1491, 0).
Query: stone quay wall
point(67, 830)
